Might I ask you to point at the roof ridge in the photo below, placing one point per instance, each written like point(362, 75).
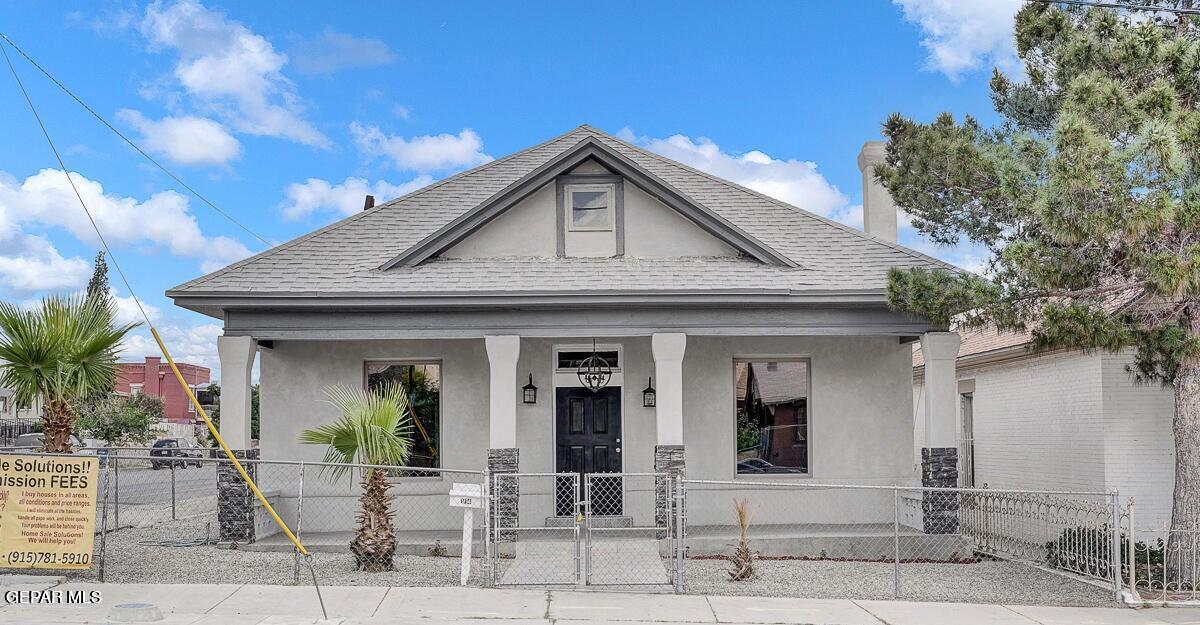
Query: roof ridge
point(371, 211)
point(802, 212)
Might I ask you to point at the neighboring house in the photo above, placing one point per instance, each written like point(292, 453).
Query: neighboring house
point(516, 272)
point(154, 377)
point(1059, 420)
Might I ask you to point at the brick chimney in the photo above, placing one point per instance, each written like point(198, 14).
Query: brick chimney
point(879, 211)
point(150, 385)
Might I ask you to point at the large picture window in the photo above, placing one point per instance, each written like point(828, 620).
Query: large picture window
point(422, 383)
point(772, 416)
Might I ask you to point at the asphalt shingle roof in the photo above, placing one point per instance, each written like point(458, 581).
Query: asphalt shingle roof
point(344, 257)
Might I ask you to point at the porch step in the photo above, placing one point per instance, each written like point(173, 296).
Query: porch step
point(603, 522)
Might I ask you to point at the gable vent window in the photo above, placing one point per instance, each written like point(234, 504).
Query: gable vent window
point(591, 207)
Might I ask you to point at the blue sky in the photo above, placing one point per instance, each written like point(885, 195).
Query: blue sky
point(287, 117)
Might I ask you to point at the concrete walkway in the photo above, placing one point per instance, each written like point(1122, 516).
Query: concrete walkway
point(187, 604)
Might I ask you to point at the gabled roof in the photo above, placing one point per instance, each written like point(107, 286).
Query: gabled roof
point(815, 255)
point(588, 149)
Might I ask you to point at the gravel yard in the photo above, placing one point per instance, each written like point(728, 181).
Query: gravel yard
point(983, 582)
point(130, 562)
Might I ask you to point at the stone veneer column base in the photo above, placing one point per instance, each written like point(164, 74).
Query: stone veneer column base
point(508, 491)
point(939, 469)
point(668, 459)
point(235, 500)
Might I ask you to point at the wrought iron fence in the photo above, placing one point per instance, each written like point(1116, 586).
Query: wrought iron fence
point(1162, 563)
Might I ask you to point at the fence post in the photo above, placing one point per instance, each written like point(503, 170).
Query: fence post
point(299, 525)
point(1131, 551)
point(680, 533)
point(1115, 548)
point(104, 518)
point(172, 491)
point(117, 492)
point(896, 542)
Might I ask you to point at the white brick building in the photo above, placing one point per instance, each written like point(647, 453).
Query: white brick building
point(1067, 420)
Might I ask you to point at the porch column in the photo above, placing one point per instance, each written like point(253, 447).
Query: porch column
point(237, 359)
point(939, 453)
point(668, 352)
point(235, 501)
point(503, 456)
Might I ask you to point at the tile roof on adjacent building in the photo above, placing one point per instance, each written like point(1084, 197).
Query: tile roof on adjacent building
point(345, 258)
point(977, 342)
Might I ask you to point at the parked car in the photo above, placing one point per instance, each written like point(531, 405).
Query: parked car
point(33, 442)
point(181, 448)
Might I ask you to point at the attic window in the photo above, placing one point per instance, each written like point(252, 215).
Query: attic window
point(590, 207)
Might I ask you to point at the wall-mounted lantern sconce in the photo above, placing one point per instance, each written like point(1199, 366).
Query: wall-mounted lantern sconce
point(529, 392)
point(648, 396)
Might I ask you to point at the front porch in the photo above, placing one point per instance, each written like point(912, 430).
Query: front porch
point(850, 415)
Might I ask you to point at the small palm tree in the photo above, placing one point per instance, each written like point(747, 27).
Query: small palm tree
point(59, 352)
point(374, 429)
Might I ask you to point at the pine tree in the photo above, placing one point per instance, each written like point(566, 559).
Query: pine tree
point(1086, 197)
point(98, 284)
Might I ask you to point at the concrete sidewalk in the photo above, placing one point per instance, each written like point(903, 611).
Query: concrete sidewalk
point(186, 604)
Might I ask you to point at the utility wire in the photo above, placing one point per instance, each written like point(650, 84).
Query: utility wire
point(1120, 5)
point(126, 139)
point(153, 331)
point(67, 173)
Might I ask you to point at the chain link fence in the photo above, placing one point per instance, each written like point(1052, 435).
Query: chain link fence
point(886, 542)
point(193, 519)
point(188, 519)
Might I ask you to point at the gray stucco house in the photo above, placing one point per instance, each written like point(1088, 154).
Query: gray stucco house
point(513, 273)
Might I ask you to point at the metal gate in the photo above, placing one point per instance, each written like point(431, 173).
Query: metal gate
point(534, 544)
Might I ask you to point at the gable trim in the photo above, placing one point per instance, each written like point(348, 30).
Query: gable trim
point(589, 148)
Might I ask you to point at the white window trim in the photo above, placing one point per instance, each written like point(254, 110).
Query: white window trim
point(569, 203)
point(135, 389)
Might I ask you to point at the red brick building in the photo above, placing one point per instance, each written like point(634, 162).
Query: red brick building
point(154, 377)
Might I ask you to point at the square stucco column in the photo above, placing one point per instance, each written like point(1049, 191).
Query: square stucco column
point(503, 455)
point(237, 359)
point(668, 350)
point(939, 451)
point(235, 500)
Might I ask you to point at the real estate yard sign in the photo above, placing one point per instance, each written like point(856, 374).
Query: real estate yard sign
point(47, 511)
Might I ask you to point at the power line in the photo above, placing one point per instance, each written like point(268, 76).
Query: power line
point(126, 139)
point(1120, 5)
point(66, 172)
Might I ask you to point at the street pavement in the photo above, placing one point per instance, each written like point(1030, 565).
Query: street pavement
point(143, 485)
point(233, 604)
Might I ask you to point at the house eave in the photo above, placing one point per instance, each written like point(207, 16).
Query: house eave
point(201, 302)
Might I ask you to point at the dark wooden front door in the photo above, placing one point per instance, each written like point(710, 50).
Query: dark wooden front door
point(588, 440)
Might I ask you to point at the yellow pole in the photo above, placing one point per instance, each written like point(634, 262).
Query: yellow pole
point(220, 441)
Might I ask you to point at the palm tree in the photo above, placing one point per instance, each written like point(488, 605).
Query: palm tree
point(374, 429)
point(61, 351)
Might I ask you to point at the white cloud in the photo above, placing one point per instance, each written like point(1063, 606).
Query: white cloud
point(127, 309)
point(196, 344)
point(794, 181)
point(332, 51)
point(230, 70)
point(423, 153)
point(163, 219)
point(31, 263)
point(964, 36)
point(186, 140)
point(402, 111)
point(315, 195)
